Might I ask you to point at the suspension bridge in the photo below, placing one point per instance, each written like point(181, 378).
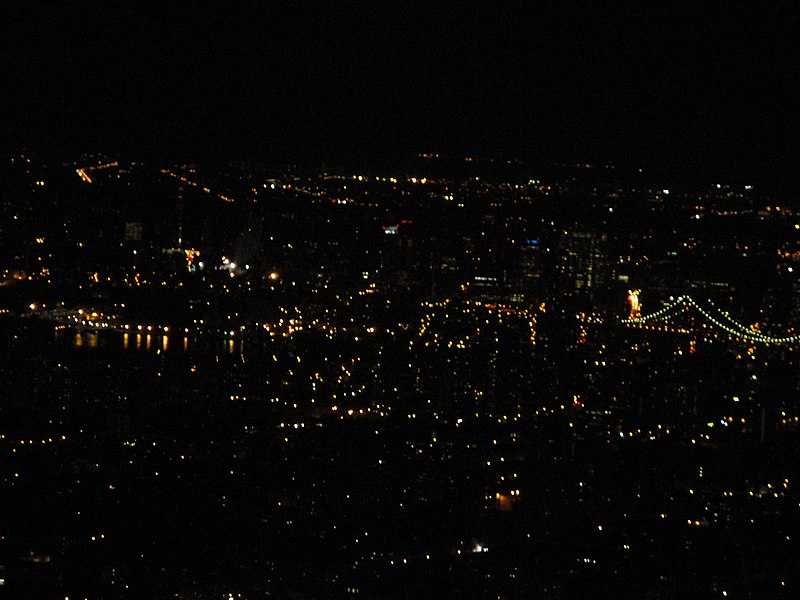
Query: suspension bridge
point(714, 323)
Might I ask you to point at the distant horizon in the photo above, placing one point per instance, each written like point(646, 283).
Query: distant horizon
point(675, 176)
point(709, 93)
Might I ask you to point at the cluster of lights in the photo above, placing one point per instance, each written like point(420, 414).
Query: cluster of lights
point(472, 308)
point(194, 184)
point(30, 442)
point(82, 172)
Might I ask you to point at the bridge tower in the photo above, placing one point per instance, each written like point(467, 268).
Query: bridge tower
point(634, 304)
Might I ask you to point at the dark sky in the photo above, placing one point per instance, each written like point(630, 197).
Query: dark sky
point(712, 90)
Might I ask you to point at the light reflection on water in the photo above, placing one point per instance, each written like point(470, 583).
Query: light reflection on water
point(122, 340)
point(84, 340)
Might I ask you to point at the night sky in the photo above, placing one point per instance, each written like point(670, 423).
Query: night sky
point(709, 92)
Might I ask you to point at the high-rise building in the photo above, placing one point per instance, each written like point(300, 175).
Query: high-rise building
point(585, 267)
point(133, 232)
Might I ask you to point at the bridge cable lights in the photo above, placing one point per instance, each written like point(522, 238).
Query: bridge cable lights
point(716, 317)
